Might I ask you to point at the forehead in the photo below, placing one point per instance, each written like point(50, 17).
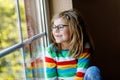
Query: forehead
point(60, 21)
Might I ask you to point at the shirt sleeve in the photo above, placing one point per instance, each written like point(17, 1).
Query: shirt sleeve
point(51, 72)
point(83, 63)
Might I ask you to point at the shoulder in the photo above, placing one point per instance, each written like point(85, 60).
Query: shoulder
point(50, 50)
point(87, 45)
point(51, 47)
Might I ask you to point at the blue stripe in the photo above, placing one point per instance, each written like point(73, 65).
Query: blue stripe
point(81, 60)
point(67, 71)
point(40, 70)
point(49, 70)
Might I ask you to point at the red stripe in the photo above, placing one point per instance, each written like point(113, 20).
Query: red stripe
point(33, 63)
point(80, 74)
point(38, 60)
point(86, 50)
point(67, 62)
point(47, 59)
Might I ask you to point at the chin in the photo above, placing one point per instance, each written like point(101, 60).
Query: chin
point(58, 41)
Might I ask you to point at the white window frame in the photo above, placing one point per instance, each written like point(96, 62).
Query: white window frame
point(43, 19)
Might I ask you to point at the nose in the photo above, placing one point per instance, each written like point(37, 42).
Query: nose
point(57, 29)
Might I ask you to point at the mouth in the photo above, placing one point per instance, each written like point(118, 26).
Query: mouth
point(58, 36)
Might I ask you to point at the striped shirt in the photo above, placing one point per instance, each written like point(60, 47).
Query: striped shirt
point(60, 66)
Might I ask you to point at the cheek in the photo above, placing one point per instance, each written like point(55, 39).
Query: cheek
point(53, 35)
point(67, 34)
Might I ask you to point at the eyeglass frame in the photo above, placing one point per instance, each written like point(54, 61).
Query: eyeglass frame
point(59, 27)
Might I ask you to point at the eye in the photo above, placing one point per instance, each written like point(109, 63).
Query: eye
point(58, 27)
point(53, 27)
point(61, 26)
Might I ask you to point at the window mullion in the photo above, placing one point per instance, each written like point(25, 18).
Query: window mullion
point(46, 19)
point(41, 24)
point(20, 35)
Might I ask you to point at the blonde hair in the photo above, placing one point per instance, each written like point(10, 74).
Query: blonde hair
point(78, 33)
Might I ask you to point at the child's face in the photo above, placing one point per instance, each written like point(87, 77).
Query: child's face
point(60, 31)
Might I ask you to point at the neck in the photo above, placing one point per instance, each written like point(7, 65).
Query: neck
point(64, 46)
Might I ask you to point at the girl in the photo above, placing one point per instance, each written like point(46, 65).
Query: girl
point(68, 57)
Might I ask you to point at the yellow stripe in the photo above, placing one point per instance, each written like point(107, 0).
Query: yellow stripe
point(78, 78)
point(50, 65)
point(84, 55)
point(67, 66)
point(39, 65)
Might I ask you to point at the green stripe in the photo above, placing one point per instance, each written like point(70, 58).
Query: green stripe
point(83, 64)
point(49, 50)
point(63, 54)
point(66, 75)
point(50, 75)
point(54, 54)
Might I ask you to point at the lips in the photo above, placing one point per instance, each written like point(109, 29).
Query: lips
point(58, 36)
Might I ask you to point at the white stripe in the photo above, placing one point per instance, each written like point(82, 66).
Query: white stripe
point(54, 78)
point(81, 70)
point(47, 54)
point(61, 59)
point(67, 78)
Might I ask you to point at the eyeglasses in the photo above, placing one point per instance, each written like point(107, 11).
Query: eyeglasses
point(59, 27)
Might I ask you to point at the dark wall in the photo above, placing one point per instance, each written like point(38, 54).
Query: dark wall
point(103, 20)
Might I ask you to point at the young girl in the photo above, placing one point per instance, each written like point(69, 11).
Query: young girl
point(68, 57)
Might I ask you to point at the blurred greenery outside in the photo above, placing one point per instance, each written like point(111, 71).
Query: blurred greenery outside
point(11, 65)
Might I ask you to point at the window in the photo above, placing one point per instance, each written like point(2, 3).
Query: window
point(23, 29)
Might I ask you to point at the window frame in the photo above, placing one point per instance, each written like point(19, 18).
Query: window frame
point(42, 10)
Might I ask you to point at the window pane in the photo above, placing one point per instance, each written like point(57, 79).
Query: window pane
point(23, 19)
point(11, 67)
point(34, 63)
point(9, 34)
point(32, 24)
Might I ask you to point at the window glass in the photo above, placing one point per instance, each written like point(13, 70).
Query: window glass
point(34, 66)
point(9, 34)
point(10, 23)
point(11, 18)
point(11, 67)
point(22, 20)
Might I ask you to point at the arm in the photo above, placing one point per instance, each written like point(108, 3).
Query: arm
point(50, 66)
point(83, 64)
